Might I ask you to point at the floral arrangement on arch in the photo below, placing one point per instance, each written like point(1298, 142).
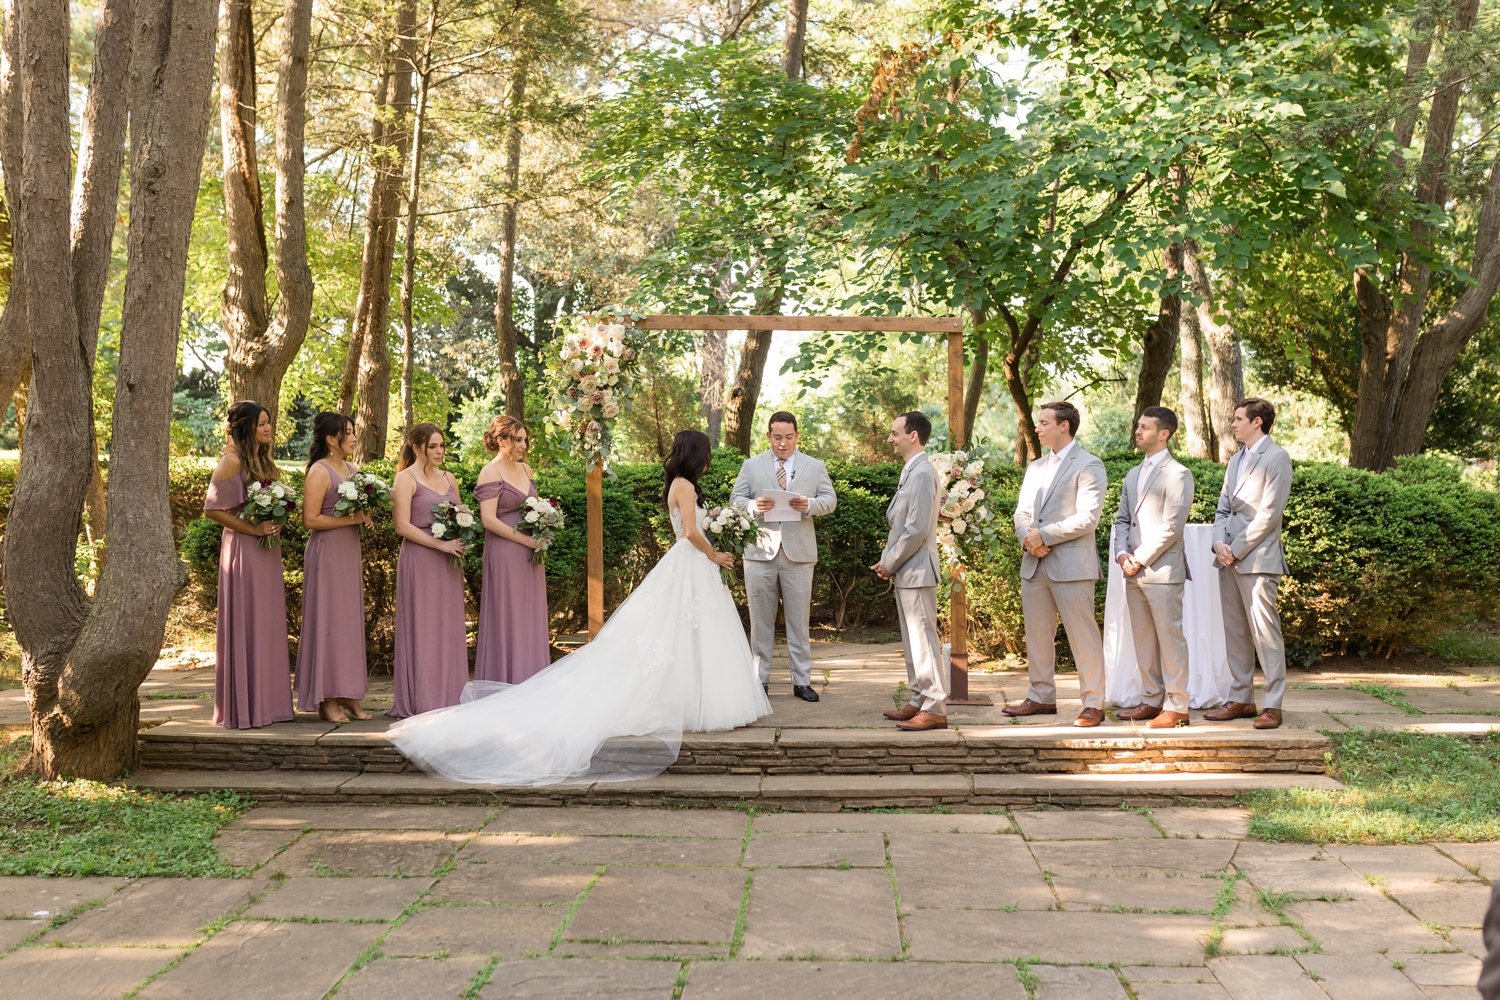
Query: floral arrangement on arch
point(592, 375)
point(967, 531)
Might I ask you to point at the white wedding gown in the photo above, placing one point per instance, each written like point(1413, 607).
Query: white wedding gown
point(672, 659)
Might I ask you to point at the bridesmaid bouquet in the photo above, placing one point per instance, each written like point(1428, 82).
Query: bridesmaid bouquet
point(269, 500)
point(731, 530)
point(455, 520)
point(362, 492)
point(541, 519)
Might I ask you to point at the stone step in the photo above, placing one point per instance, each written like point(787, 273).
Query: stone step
point(794, 792)
point(362, 748)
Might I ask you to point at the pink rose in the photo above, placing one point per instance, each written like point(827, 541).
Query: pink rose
point(629, 353)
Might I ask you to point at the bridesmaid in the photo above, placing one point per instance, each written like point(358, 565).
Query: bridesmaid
point(331, 676)
point(432, 655)
point(252, 683)
point(513, 637)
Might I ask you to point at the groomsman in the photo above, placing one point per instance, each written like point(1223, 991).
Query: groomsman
point(1060, 503)
point(1247, 541)
point(786, 553)
point(910, 560)
point(1154, 505)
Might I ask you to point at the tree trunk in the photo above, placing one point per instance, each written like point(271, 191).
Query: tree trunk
point(1159, 345)
point(712, 357)
point(372, 311)
point(83, 661)
point(511, 382)
point(977, 371)
point(1196, 430)
point(355, 349)
point(15, 342)
point(794, 43)
point(409, 252)
point(1017, 366)
point(262, 346)
point(1226, 378)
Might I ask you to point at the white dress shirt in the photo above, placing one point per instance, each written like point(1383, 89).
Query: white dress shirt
point(1049, 470)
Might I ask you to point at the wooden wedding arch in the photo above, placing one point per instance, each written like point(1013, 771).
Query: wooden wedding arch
point(951, 326)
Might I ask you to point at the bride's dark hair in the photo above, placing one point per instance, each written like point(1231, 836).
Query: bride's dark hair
point(691, 453)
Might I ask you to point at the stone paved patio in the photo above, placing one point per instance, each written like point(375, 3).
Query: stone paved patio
point(370, 902)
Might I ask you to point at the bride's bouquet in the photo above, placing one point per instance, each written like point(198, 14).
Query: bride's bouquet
point(364, 493)
point(269, 500)
point(732, 530)
point(541, 519)
point(455, 520)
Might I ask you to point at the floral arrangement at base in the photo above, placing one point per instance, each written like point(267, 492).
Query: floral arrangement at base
point(455, 520)
point(542, 519)
point(732, 530)
point(592, 376)
point(967, 532)
point(364, 493)
point(269, 500)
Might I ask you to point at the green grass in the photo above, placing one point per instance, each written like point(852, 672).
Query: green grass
point(77, 827)
point(1403, 788)
point(10, 672)
point(1468, 647)
point(1394, 697)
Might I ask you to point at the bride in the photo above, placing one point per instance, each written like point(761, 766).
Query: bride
point(673, 658)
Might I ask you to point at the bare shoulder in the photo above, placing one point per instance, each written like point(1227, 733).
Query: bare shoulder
point(228, 467)
point(490, 472)
point(316, 473)
point(404, 480)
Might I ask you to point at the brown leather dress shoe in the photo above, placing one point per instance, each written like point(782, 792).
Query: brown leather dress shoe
point(1139, 714)
point(1089, 718)
point(924, 721)
point(1029, 707)
point(1169, 720)
point(1231, 710)
point(903, 713)
point(1269, 719)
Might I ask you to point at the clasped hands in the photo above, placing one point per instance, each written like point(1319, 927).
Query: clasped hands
point(1033, 543)
point(798, 503)
point(1225, 553)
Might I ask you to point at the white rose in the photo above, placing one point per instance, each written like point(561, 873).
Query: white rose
point(952, 509)
point(978, 494)
point(576, 364)
point(611, 364)
point(278, 491)
point(264, 499)
point(968, 505)
point(438, 529)
point(611, 410)
point(532, 517)
point(464, 520)
point(984, 513)
point(974, 469)
point(348, 490)
point(959, 525)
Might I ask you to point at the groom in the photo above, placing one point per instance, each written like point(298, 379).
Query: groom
point(787, 552)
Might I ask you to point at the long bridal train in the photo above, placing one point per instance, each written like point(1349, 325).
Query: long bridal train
point(673, 658)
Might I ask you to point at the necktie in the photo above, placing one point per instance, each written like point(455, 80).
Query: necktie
point(781, 473)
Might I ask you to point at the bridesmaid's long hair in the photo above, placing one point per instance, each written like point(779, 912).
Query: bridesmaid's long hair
point(256, 462)
point(326, 425)
point(416, 440)
point(502, 428)
point(689, 458)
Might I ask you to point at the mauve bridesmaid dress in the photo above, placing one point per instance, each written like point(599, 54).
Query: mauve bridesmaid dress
point(513, 638)
point(432, 653)
point(253, 680)
point(331, 655)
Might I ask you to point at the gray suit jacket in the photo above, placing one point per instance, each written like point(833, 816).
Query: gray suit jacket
point(1067, 515)
point(1251, 503)
point(1151, 520)
point(810, 478)
point(911, 546)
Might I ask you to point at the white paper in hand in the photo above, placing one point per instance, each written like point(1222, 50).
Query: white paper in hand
point(783, 509)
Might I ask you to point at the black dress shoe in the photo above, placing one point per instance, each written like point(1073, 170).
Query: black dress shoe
point(804, 692)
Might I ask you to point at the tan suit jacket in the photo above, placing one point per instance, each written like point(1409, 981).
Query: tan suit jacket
point(1152, 518)
point(1067, 514)
point(1248, 518)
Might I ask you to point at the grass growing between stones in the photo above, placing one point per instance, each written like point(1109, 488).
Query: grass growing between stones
point(1403, 788)
point(77, 827)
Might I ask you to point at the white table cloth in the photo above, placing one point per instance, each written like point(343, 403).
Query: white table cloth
point(1202, 624)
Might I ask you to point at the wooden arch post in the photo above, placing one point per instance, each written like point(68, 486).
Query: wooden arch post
point(950, 326)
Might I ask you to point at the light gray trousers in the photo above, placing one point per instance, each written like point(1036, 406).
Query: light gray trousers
point(1160, 647)
point(916, 608)
point(1042, 602)
point(1252, 626)
point(795, 581)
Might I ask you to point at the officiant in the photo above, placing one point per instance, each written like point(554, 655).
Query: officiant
point(787, 489)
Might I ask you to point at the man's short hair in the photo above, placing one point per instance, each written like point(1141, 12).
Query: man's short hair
point(1257, 407)
point(781, 417)
point(1065, 412)
point(917, 421)
point(1164, 417)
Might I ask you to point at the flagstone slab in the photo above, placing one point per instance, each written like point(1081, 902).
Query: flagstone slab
point(555, 979)
point(871, 822)
point(1482, 856)
point(698, 905)
point(1362, 926)
point(982, 871)
point(1073, 982)
point(13, 932)
point(369, 852)
point(1179, 991)
point(1468, 940)
point(617, 822)
point(362, 817)
point(1327, 879)
point(802, 850)
point(826, 914)
point(1261, 940)
point(1138, 894)
point(32, 896)
point(1134, 858)
point(1264, 977)
point(252, 848)
point(527, 850)
point(1450, 904)
point(1360, 977)
point(513, 931)
point(1449, 969)
point(413, 979)
point(1202, 822)
point(79, 973)
point(851, 981)
point(355, 898)
point(1400, 866)
point(1139, 975)
point(158, 912)
point(1085, 824)
point(257, 960)
point(987, 936)
point(471, 882)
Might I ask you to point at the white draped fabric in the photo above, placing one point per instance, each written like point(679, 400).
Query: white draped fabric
point(1202, 624)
